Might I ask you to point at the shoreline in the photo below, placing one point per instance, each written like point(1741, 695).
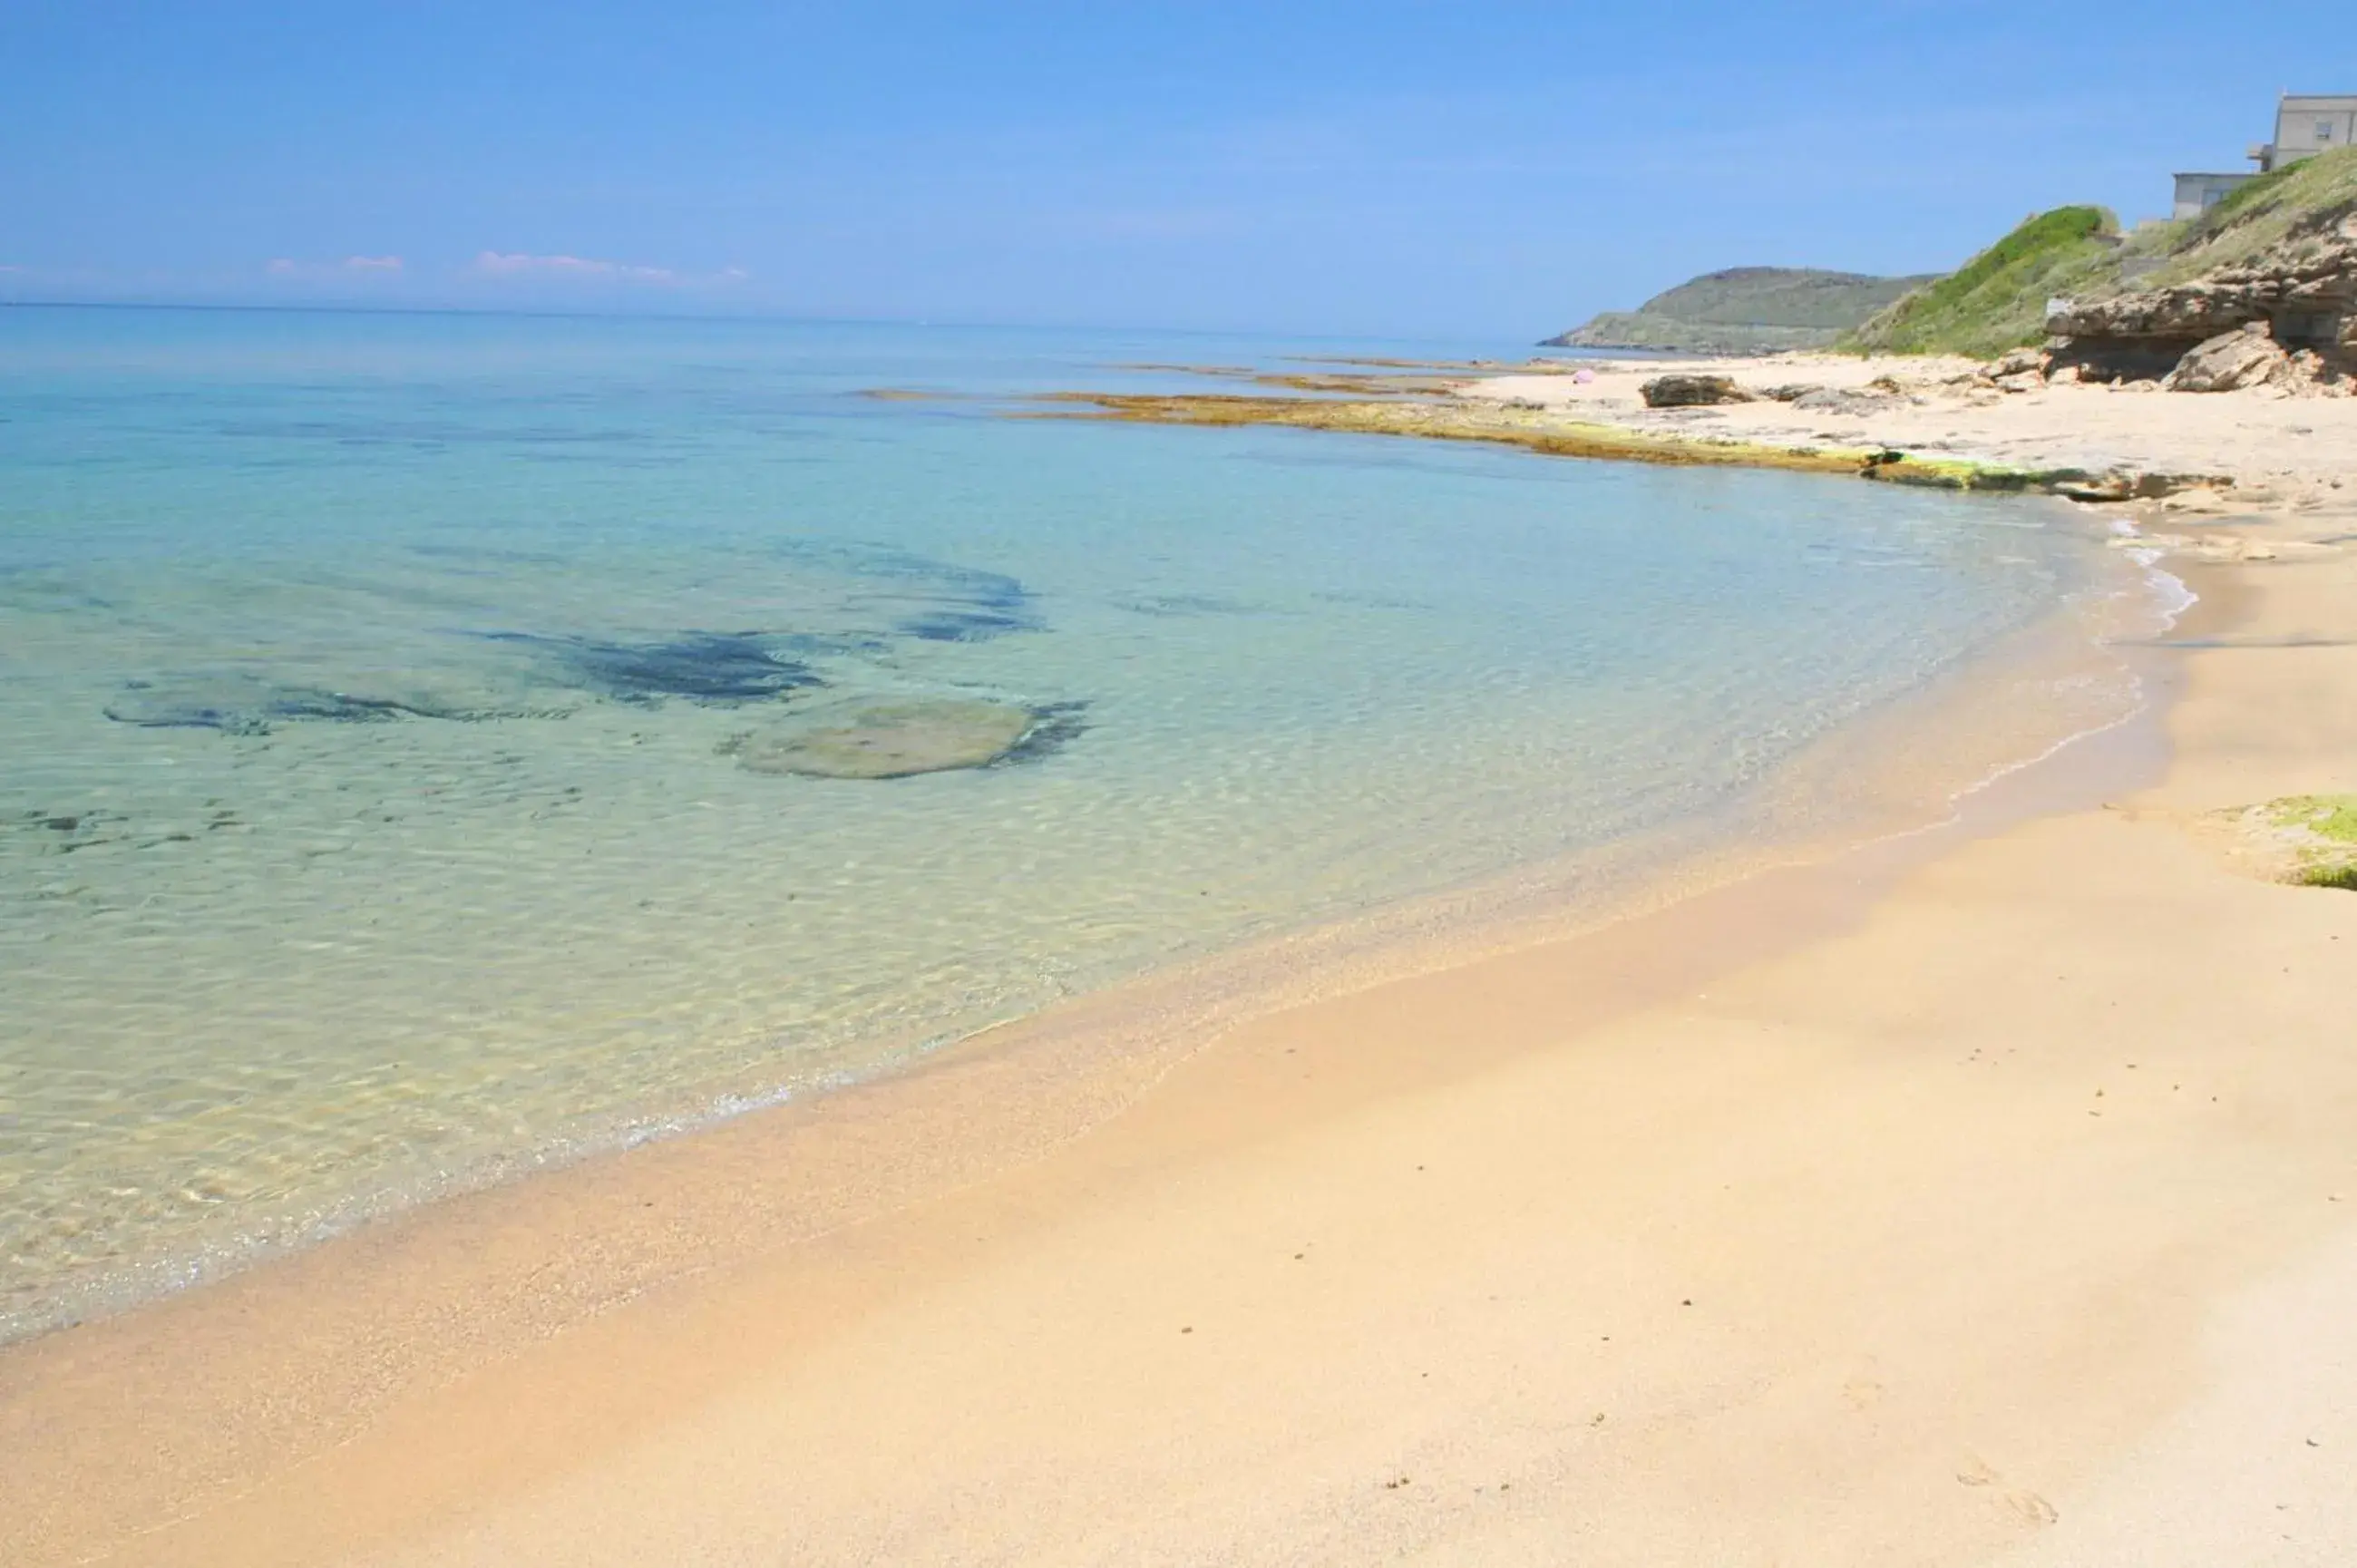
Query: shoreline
point(1148, 1131)
point(1939, 422)
point(1516, 906)
point(363, 1323)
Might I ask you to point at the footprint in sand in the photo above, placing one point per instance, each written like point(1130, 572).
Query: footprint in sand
point(2029, 1507)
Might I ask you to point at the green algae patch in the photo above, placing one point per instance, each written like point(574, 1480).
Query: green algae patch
point(2330, 817)
point(1533, 431)
point(890, 740)
point(1957, 474)
point(2320, 833)
point(1543, 432)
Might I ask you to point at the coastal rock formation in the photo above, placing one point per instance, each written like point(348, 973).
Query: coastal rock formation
point(1691, 391)
point(2237, 325)
point(891, 740)
point(1835, 399)
point(2242, 358)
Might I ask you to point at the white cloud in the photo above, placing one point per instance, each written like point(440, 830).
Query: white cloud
point(287, 267)
point(518, 264)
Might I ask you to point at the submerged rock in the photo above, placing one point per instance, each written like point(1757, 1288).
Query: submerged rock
point(237, 704)
point(696, 666)
point(896, 740)
point(979, 606)
point(701, 666)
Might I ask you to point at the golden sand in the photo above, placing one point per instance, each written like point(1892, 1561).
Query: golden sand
point(1987, 1194)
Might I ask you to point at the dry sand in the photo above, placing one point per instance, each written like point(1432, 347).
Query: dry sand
point(2293, 453)
point(1988, 1196)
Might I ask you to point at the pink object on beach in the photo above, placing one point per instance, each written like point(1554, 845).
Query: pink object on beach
point(1583, 377)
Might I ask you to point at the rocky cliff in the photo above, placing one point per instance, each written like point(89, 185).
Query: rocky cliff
point(2279, 304)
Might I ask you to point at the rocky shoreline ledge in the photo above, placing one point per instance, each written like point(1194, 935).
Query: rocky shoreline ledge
point(1554, 411)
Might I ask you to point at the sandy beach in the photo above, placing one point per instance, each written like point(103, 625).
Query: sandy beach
point(1986, 1194)
point(2281, 452)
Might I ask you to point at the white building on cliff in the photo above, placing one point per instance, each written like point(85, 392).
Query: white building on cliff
point(2306, 123)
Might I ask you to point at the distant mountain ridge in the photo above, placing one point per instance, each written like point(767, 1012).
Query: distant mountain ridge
point(1745, 310)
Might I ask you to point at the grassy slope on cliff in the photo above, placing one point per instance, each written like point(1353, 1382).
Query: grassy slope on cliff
point(2304, 197)
point(1997, 300)
point(1744, 309)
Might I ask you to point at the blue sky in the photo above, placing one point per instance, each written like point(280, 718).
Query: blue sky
point(1494, 171)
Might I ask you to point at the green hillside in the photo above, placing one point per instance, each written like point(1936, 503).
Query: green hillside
point(2272, 210)
point(1743, 310)
point(1997, 300)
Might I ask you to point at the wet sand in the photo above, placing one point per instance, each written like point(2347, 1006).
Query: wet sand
point(1983, 1194)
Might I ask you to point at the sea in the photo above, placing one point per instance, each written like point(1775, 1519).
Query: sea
point(422, 736)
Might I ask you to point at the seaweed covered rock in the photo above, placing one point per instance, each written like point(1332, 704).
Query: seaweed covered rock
point(890, 740)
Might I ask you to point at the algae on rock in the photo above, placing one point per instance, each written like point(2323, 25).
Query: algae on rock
point(2319, 831)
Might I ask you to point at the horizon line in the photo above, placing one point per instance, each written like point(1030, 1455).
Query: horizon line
point(291, 308)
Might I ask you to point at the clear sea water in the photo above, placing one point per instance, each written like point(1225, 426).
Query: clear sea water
point(373, 807)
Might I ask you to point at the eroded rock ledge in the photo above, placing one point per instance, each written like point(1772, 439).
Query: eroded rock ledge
point(1552, 434)
point(2287, 318)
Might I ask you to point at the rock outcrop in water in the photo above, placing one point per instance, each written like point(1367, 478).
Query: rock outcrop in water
point(892, 740)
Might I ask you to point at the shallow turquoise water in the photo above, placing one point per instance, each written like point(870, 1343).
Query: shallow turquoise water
point(368, 821)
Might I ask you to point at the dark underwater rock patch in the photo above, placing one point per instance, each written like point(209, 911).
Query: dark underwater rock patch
point(890, 740)
point(700, 665)
point(973, 606)
point(1054, 725)
point(245, 704)
point(934, 601)
point(1184, 605)
point(901, 738)
point(965, 625)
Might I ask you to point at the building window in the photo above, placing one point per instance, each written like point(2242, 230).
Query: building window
point(2324, 129)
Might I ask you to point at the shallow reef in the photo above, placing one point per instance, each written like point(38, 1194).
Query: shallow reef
point(896, 592)
point(701, 666)
point(892, 739)
point(902, 738)
point(236, 703)
point(855, 602)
